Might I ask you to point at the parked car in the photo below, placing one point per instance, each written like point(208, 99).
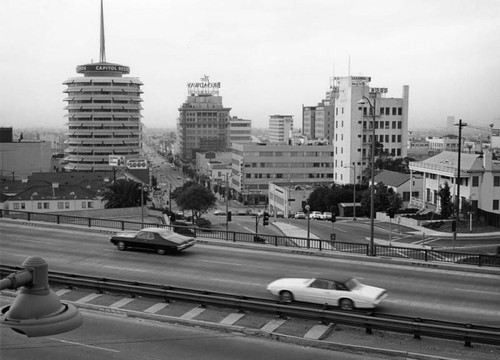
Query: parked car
point(280, 214)
point(327, 216)
point(242, 212)
point(316, 215)
point(347, 294)
point(157, 239)
point(300, 215)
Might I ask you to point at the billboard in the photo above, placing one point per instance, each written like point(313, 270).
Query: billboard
point(137, 164)
point(116, 160)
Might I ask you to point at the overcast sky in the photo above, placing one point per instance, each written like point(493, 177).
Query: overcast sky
point(271, 56)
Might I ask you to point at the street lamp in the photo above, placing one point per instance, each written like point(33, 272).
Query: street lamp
point(353, 167)
point(308, 208)
point(364, 101)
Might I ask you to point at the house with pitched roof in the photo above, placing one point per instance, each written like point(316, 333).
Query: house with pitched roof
point(479, 180)
point(406, 185)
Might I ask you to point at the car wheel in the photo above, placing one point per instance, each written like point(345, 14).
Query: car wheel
point(121, 246)
point(160, 251)
point(346, 304)
point(286, 297)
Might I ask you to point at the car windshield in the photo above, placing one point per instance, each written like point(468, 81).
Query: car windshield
point(352, 284)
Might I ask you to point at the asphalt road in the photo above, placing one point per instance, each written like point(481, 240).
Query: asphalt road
point(113, 337)
point(418, 292)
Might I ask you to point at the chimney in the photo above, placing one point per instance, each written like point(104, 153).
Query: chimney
point(487, 160)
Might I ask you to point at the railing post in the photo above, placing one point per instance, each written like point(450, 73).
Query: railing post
point(479, 260)
point(1, 213)
point(308, 243)
point(426, 254)
point(90, 222)
point(320, 245)
point(29, 216)
point(275, 240)
point(123, 225)
point(57, 221)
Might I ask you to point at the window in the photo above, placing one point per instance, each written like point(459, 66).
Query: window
point(400, 111)
point(39, 205)
point(393, 138)
point(90, 204)
point(66, 205)
point(399, 138)
point(496, 181)
point(84, 205)
point(60, 205)
point(46, 205)
point(495, 204)
point(16, 206)
point(400, 124)
point(394, 124)
point(394, 111)
point(23, 206)
point(475, 181)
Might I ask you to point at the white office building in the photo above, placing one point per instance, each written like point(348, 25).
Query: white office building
point(353, 128)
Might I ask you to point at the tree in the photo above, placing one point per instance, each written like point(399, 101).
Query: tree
point(385, 197)
point(194, 197)
point(124, 193)
point(446, 201)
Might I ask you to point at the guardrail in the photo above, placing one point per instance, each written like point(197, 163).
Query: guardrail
point(423, 254)
point(418, 327)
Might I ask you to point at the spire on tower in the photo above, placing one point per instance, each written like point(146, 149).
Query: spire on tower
point(102, 55)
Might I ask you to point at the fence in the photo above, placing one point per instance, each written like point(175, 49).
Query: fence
point(272, 240)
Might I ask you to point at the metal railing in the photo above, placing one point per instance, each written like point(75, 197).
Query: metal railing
point(418, 327)
point(427, 255)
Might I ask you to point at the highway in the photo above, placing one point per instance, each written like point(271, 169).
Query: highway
point(419, 292)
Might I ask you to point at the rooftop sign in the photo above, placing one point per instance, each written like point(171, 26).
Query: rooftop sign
point(102, 67)
point(204, 87)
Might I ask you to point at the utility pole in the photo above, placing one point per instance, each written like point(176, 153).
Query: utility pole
point(457, 200)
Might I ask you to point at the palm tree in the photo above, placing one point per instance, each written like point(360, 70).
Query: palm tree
point(123, 193)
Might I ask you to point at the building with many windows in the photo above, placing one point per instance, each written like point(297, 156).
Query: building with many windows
point(203, 122)
point(254, 166)
point(280, 128)
point(240, 130)
point(317, 121)
point(353, 125)
point(104, 114)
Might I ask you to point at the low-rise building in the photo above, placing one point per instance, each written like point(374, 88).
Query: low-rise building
point(260, 164)
point(479, 180)
point(406, 185)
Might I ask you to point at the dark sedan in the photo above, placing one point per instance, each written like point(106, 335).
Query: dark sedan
point(156, 239)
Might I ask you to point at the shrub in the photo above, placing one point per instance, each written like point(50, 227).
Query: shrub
point(203, 223)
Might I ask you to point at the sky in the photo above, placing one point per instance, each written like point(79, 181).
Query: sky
point(270, 56)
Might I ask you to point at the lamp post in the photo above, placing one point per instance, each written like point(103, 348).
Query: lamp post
point(364, 101)
point(308, 208)
point(353, 167)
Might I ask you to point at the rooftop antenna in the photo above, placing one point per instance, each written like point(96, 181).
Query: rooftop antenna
point(349, 66)
point(102, 54)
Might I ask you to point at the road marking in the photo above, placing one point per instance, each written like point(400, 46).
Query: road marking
point(478, 291)
point(80, 344)
point(123, 268)
point(220, 262)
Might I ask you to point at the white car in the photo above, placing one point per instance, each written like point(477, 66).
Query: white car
point(327, 216)
point(316, 215)
point(346, 294)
